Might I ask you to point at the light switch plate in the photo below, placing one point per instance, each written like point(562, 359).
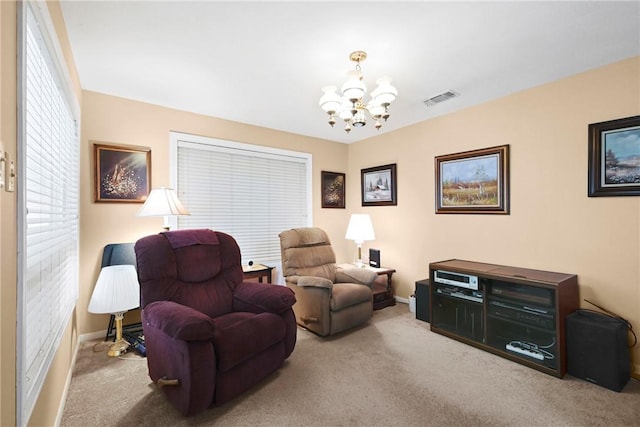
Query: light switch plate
point(11, 176)
point(2, 165)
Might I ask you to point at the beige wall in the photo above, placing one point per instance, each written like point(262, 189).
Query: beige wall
point(553, 225)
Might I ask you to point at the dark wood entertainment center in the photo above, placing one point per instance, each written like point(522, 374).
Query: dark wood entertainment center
point(516, 313)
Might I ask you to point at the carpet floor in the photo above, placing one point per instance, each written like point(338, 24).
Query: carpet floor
point(392, 371)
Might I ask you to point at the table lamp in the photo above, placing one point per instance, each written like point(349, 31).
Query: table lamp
point(359, 230)
point(162, 202)
point(117, 291)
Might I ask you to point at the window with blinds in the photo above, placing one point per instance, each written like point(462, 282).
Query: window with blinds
point(48, 173)
point(250, 192)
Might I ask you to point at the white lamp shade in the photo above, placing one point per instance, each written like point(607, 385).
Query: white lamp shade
point(345, 110)
point(330, 101)
point(360, 228)
point(117, 290)
point(162, 201)
point(354, 88)
point(385, 93)
point(375, 110)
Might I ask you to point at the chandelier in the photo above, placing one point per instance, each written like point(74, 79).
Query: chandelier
point(350, 106)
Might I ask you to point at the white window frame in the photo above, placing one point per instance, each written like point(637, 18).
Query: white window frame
point(28, 387)
point(183, 139)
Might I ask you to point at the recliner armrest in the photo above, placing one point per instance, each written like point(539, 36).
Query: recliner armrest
point(256, 297)
point(317, 282)
point(356, 275)
point(179, 321)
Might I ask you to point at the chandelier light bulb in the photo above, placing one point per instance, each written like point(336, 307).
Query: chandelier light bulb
point(350, 107)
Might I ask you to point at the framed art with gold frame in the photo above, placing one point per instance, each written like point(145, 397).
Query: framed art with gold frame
point(122, 173)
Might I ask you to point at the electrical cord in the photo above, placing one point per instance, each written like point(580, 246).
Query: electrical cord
point(613, 316)
point(550, 345)
point(104, 346)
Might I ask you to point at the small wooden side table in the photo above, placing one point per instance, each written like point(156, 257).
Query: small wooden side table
point(257, 271)
point(383, 294)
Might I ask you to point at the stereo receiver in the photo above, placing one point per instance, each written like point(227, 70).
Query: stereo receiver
point(454, 292)
point(534, 316)
point(523, 294)
point(456, 279)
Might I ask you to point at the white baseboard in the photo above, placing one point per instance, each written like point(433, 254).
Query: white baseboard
point(67, 384)
point(92, 336)
point(402, 300)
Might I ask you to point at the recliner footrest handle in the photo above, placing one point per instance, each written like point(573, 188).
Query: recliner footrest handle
point(308, 320)
point(164, 381)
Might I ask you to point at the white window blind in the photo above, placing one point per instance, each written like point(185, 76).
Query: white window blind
point(48, 173)
point(250, 192)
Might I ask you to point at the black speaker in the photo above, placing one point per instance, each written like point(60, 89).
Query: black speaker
point(597, 349)
point(422, 300)
point(374, 258)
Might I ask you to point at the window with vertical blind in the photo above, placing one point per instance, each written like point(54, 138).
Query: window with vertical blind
point(250, 192)
point(48, 189)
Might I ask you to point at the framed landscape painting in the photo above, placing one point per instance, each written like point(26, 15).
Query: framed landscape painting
point(122, 173)
point(473, 182)
point(614, 158)
point(379, 186)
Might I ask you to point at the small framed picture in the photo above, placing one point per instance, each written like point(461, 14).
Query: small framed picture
point(614, 158)
point(474, 181)
point(333, 189)
point(379, 186)
point(122, 173)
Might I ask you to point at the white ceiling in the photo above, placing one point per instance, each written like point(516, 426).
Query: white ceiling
point(264, 63)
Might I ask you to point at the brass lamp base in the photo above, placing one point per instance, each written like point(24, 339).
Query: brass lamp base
point(359, 262)
point(118, 348)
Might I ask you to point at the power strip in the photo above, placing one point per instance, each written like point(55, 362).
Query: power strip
point(531, 353)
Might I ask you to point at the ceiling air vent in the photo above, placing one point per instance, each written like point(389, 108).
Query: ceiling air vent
point(445, 96)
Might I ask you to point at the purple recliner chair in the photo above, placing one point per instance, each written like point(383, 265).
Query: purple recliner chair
point(209, 336)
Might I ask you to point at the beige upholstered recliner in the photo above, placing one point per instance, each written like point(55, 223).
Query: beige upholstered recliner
point(329, 299)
